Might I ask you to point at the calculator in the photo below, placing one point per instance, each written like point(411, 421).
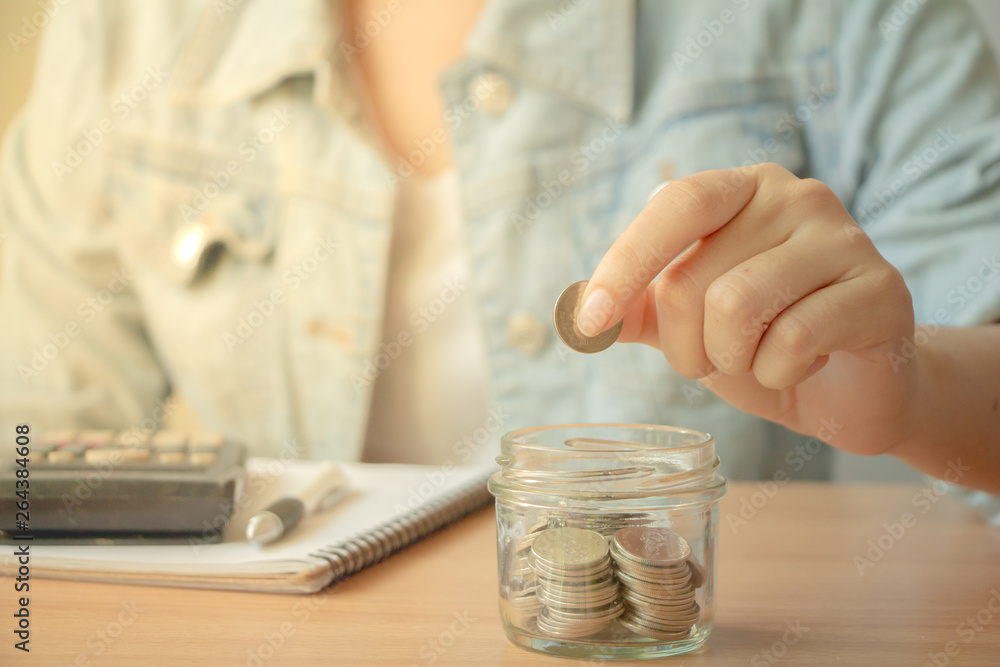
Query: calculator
point(124, 486)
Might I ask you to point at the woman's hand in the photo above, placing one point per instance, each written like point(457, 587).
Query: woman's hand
point(774, 297)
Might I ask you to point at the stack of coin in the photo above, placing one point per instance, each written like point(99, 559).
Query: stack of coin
point(521, 578)
point(658, 581)
point(576, 584)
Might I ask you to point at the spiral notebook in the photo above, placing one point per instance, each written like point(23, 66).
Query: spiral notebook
point(388, 508)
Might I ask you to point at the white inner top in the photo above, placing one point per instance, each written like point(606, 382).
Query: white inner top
point(431, 389)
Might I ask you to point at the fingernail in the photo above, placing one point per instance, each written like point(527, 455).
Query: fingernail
point(596, 313)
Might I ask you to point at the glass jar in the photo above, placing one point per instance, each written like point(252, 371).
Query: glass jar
point(606, 539)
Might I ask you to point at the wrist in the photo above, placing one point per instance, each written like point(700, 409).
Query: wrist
point(918, 423)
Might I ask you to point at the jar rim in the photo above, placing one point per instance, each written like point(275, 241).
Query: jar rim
point(706, 438)
point(609, 467)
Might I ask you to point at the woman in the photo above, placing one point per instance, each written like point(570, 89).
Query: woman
point(344, 227)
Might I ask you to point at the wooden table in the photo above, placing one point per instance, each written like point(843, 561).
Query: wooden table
point(789, 584)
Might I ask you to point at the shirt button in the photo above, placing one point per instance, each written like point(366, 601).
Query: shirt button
point(493, 92)
point(338, 334)
point(188, 249)
point(527, 333)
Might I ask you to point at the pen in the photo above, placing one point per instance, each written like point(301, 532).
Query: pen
point(325, 489)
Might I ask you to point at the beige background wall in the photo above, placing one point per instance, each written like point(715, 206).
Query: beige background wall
point(15, 76)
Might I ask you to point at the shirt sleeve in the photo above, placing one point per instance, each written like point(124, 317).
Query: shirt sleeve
point(75, 353)
point(918, 102)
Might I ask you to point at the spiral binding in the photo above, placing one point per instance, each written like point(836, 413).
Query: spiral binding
point(366, 549)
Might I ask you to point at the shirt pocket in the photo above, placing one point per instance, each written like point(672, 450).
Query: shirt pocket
point(200, 242)
point(733, 124)
point(187, 226)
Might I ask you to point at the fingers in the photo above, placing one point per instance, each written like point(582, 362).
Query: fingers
point(743, 302)
point(681, 213)
point(799, 342)
point(795, 344)
point(640, 322)
point(711, 305)
point(703, 321)
point(705, 313)
point(757, 281)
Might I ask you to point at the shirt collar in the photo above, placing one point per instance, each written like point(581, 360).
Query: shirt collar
point(583, 51)
point(241, 49)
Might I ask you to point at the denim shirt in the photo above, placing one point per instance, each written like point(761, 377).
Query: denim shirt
point(154, 122)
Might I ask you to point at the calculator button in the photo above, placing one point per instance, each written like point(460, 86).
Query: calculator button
point(172, 438)
point(203, 458)
point(207, 441)
point(95, 438)
point(130, 439)
point(173, 457)
point(117, 455)
point(62, 456)
point(135, 454)
point(56, 437)
point(39, 453)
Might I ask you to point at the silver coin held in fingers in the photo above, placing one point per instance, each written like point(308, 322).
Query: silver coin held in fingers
point(564, 317)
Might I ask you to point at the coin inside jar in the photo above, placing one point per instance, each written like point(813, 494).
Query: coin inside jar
point(658, 581)
point(570, 549)
point(576, 582)
point(564, 317)
point(656, 547)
